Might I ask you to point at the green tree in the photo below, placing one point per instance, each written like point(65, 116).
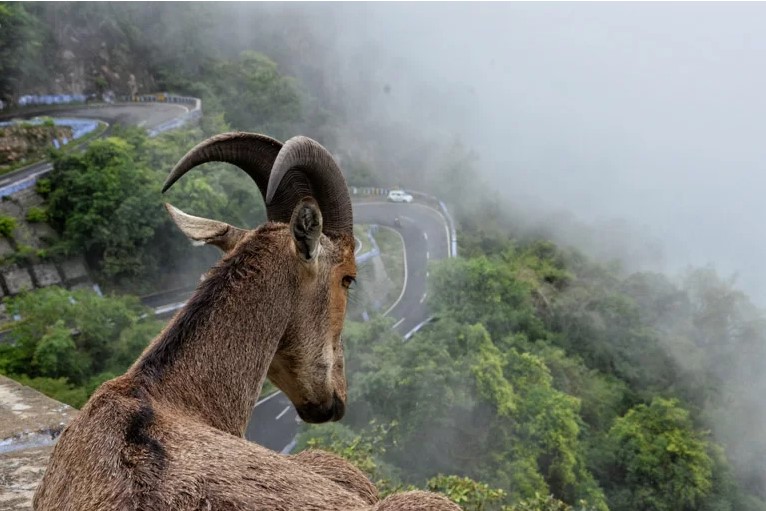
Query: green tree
point(549, 503)
point(464, 406)
point(470, 495)
point(604, 327)
point(56, 354)
point(131, 344)
point(107, 206)
point(255, 95)
point(659, 461)
point(72, 334)
point(486, 291)
point(20, 39)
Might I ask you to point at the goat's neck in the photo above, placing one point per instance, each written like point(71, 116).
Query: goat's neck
point(212, 359)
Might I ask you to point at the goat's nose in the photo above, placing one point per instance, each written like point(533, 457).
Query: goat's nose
point(316, 413)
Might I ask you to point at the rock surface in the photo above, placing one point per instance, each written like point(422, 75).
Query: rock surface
point(29, 425)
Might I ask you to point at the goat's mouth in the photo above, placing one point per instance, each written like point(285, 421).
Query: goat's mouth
point(316, 413)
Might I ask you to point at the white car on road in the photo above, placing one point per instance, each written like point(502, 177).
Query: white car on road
point(399, 196)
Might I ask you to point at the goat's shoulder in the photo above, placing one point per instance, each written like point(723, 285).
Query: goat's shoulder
point(108, 449)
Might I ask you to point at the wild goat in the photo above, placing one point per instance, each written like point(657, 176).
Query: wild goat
point(168, 434)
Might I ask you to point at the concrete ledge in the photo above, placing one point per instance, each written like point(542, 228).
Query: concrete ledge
point(29, 425)
point(20, 473)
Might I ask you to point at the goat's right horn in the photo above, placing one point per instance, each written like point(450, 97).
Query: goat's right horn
point(304, 168)
point(251, 152)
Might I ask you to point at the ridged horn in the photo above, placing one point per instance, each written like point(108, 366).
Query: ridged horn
point(304, 168)
point(251, 152)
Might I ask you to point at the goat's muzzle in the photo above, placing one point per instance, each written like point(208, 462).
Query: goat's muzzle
point(316, 413)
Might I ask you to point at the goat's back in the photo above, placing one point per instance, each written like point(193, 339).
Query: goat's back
point(123, 451)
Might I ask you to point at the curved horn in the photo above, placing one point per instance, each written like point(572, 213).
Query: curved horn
point(305, 168)
point(253, 153)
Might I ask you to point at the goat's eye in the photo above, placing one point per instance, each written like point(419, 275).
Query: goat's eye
point(347, 281)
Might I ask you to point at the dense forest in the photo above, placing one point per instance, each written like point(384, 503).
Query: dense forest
point(549, 380)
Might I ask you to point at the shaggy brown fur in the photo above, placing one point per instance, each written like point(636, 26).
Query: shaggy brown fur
point(168, 434)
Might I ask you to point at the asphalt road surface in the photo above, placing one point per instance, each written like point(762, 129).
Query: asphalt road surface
point(146, 115)
point(274, 423)
point(425, 235)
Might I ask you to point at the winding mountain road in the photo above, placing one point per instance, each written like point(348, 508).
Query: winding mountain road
point(424, 231)
point(146, 115)
point(426, 236)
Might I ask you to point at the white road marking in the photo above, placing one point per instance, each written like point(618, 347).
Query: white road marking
point(287, 409)
point(428, 254)
point(267, 398)
point(424, 297)
point(418, 327)
point(404, 284)
point(398, 323)
point(412, 206)
point(425, 235)
point(289, 447)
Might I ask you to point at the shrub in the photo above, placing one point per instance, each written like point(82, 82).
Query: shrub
point(37, 215)
point(7, 226)
point(43, 187)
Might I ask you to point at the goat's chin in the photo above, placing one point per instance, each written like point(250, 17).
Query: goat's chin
point(317, 413)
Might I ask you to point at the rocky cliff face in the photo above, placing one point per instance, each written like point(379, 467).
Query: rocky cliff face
point(24, 142)
point(87, 49)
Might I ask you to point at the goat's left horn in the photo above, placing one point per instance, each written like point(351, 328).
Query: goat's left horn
point(253, 153)
point(304, 168)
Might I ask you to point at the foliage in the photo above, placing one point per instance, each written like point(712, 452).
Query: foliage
point(106, 204)
point(37, 215)
point(102, 203)
point(19, 44)
point(470, 495)
point(43, 187)
point(255, 96)
point(658, 461)
point(73, 337)
point(532, 382)
point(481, 290)
point(465, 406)
point(24, 254)
point(7, 226)
point(547, 503)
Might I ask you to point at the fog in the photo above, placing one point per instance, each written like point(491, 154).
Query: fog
point(632, 131)
point(644, 120)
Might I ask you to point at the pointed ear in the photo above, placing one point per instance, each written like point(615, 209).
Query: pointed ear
point(306, 227)
point(205, 231)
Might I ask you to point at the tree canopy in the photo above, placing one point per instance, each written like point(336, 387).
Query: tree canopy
point(67, 341)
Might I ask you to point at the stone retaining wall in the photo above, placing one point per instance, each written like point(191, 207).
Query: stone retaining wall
point(18, 274)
